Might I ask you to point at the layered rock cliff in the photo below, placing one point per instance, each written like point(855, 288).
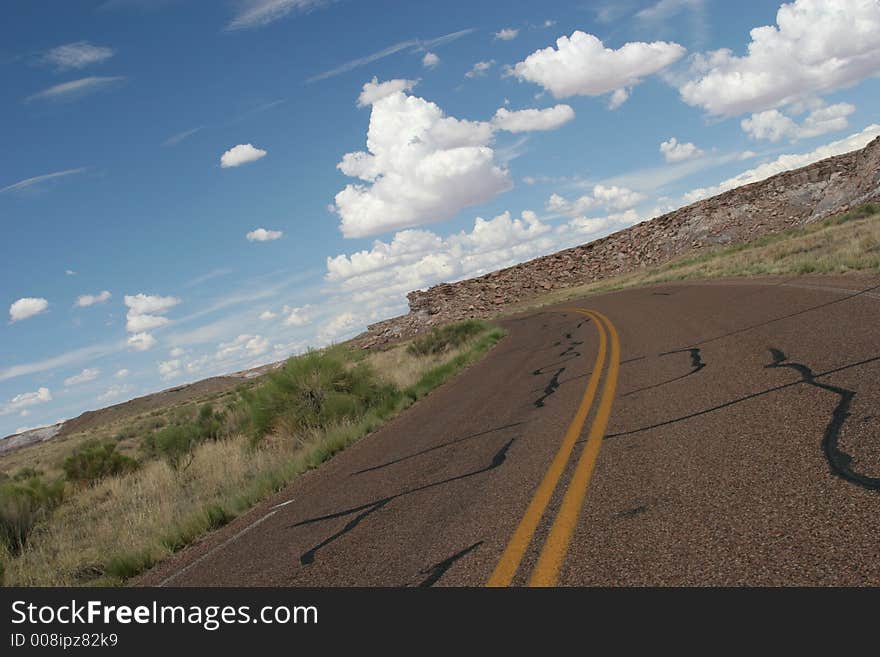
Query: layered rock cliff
point(787, 199)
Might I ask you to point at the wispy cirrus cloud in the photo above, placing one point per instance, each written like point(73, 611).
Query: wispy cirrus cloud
point(259, 13)
point(37, 180)
point(77, 55)
point(174, 140)
point(177, 138)
point(73, 357)
point(414, 45)
point(76, 88)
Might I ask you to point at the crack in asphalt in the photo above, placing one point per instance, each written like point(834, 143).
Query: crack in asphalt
point(570, 349)
point(696, 365)
point(838, 460)
point(369, 508)
point(552, 386)
point(441, 446)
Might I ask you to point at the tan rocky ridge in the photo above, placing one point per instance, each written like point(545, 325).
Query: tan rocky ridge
point(782, 201)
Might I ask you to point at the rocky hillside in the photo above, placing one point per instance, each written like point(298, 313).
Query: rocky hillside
point(788, 199)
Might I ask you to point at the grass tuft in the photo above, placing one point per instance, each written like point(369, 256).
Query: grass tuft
point(443, 338)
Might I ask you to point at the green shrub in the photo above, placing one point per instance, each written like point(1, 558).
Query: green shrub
point(210, 423)
point(95, 461)
point(176, 444)
point(444, 371)
point(26, 473)
point(22, 506)
point(316, 390)
point(124, 566)
point(443, 338)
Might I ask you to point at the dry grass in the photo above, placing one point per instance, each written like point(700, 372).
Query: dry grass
point(841, 244)
point(403, 369)
point(119, 527)
point(127, 431)
point(135, 513)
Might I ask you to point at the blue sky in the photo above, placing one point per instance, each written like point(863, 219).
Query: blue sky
point(192, 188)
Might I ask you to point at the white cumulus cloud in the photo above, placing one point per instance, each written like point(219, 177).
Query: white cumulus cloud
point(25, 400)
point(88, 374)
point(27, 307)
point(244, 345)
point(375, 91)
point(241, 154)
point(581, 65)
point(140, 304)
point(430, 60)
point(343, 325)
point(141, 341)
point(115, 392)
point(528, 120)
point(139, 323)
point(815, 47)
point(300, 316)
point(145, 313)
point(773, 125)
point(610, 197)
point(86, 300)
point(507, 34)
point(263, 235)
point(675, 151)
point(421, 167)
point(169, 369)
point(377, 280)
point(480, 69)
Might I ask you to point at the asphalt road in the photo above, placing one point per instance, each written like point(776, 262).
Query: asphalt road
point(707, 433)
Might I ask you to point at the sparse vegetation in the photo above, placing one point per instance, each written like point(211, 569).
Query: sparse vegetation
point(444, 371)
point(268, 433)
point(22, 505)
point(94, 461)
point(443, 338)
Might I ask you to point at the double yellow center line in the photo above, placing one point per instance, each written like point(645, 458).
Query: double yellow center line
point(553, 553)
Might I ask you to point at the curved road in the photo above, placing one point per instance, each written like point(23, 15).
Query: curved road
point(722, 433)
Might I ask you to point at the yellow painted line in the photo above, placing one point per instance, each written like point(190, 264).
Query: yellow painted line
point(550, 561)
point(509, 563)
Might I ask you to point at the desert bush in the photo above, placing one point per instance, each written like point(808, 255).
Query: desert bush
point(447, 337)
point(316, 390)
point(26, 473)
point(210, 424)
point(22, 506)
point(443, 371)
point(94, 461)
point(176, 444)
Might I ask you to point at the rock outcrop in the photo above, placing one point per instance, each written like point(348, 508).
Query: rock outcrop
point(787, 199)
